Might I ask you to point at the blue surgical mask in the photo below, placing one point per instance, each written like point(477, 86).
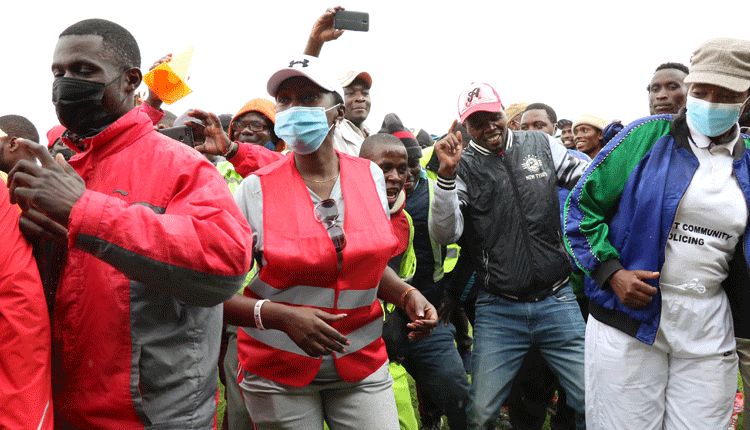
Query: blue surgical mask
point(712, 119)
point(303, 128)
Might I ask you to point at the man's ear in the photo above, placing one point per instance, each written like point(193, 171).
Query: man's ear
point(340, 112)
point(13, 144)
point(133, 78)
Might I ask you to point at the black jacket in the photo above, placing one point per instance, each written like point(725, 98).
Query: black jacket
point(510, 209)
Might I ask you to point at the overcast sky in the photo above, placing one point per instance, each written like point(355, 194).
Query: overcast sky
point(580, 57)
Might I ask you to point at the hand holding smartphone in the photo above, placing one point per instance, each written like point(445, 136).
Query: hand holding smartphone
point(350, 20)
point(181, 133)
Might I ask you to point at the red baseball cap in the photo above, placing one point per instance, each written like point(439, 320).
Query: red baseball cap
point(478, 97)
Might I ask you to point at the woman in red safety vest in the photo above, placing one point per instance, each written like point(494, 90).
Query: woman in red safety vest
point(310, 346)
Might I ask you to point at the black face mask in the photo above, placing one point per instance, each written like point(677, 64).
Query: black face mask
point(66, 152)
point(78, 104)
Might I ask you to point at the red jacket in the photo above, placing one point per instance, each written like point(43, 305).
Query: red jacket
point(25, 359)
point(250, 158)
point(301, 270)
point(156, 243)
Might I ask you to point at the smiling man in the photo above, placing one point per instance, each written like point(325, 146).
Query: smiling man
point(500, 198)
point(587, 132)
point(350, 132)
point(155, 244)
point(667, 92)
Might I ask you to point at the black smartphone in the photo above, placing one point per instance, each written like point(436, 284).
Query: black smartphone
point(350, 20)
point(181, 133)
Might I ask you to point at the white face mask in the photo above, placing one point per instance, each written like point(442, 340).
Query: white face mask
point(303, 128)
point(712, 119)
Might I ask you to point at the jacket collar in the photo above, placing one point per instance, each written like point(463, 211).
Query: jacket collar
point(400, 203)
point(484, 151)
point(679, 130)
point(119, 134)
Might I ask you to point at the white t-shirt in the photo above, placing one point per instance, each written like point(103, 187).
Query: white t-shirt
point(711, 217)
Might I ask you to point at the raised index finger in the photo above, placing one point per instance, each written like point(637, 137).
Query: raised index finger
point(40, 152)
point(453, 126)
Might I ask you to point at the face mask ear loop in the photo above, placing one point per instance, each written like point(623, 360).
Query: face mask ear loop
point(334, 121)
point(745, 105)
point(115, 80)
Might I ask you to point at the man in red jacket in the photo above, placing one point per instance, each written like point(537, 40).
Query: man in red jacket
point(155, 245)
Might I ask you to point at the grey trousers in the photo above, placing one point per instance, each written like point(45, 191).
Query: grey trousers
point(366, 404)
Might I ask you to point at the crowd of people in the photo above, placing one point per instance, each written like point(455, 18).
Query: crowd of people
point(519, 260)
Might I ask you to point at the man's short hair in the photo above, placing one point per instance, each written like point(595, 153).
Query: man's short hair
point(116, 39)
point(564, 122)
point(377, 141)
point(550, 112)
point(671, 65)
point(18, 126)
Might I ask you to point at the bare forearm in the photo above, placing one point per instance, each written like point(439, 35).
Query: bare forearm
point(392, 287)
point(313, 47)
point(239, 310)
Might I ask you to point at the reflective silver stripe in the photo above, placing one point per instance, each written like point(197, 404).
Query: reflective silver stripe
point(363, 336)
point(319, 297)
point(297, 295)
point(353, 299)
point(451, 253)
point(44, 415)
point(359, 338)
point(189, 285)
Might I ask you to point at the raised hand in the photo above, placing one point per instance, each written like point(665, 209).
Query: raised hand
point(153, 100)
point(449, 150)
point(322, 32)
point(217, 142)
point(323, 29)
point(52, 188)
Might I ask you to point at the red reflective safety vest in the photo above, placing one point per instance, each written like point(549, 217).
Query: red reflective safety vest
point(301, 270)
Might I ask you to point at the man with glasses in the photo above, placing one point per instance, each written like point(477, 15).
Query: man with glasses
point(254, 124)
point(500, 199)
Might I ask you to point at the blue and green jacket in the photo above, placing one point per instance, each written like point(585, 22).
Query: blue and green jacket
point(621, 211)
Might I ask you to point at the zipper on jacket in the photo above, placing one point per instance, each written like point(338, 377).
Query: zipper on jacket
point(486, 262)
point(520, 208)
